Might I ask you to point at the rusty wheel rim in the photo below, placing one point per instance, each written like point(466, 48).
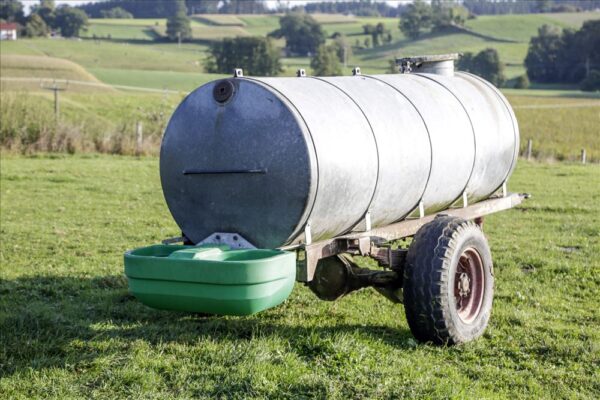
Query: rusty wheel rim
point(469, 285)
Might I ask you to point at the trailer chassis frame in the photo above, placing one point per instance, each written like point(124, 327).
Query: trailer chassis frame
point(369, 243)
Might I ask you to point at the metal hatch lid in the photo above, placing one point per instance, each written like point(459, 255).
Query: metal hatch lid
point(440, 64)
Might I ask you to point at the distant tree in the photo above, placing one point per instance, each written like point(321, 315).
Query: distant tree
point(486, 64)
point(11, 11)
point(179, 26)
point(588, 40)
point(47, 11)
point(376, 31)
point(543, 6)
point(342, 47)
point(116, 12)
point(363, 8)
point(592, 82)
point(326, 62)
point(465, 62)
point(70, 20)
point(387, 39)
point(243, 7)
point(416, 19)
point(256, 55)
point(36, 26)
point(447, 14)
point(521, 82)
point(203, 6)
point(302, 33)
point(543, 55)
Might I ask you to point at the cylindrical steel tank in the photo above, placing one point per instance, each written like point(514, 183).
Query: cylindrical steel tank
point(265, 157)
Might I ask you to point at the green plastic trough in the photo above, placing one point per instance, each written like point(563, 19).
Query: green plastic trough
point(210, 279)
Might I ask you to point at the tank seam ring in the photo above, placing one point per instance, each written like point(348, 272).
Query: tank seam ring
point(300, 228)
point(512, 122)
point(375, 189)
point(428, 137)
point(472, 130)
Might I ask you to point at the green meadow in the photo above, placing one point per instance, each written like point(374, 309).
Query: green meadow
point(69, 328)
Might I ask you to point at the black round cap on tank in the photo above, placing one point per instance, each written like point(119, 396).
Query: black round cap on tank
point(223, 90)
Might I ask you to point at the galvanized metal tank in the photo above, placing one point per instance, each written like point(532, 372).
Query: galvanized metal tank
point(265, 158)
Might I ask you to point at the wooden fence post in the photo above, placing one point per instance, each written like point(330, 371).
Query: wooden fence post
point(583, 156)
point(139, 138)
point(529, 148)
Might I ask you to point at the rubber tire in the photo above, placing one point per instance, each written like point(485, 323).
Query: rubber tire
point(429, 281)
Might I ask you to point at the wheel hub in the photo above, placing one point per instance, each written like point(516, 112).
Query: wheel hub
point(463, 285)
point(469, 285)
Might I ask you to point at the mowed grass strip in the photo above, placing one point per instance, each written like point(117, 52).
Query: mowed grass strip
point(69, 329)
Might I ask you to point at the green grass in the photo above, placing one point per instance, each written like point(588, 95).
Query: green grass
point(574, 20)
point(511, 27)
point(183, 81)
point(20, 66)
point(559, 122)
point(120, 31)
point(68, 328)
point(89, 121)
point(559, 126)
point(219, 19)
point(145, 54)
point(106, 54)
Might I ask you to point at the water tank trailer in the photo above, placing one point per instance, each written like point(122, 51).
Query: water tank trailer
point(277, 180)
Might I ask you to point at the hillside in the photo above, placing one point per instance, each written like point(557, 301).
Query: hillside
point(132, 56)
point(28, 72)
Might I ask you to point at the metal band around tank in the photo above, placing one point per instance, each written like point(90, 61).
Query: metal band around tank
point(504, 102)
point(472, 130)
point(428, 137)
point(374, 140)
point(309, 209)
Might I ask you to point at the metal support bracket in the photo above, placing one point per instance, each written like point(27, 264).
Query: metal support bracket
point(307, 234)
point(233, 240)
point(364, 225)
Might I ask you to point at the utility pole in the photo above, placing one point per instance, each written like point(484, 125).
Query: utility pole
point(56, 88)
point(178, 40)
point(345, 56)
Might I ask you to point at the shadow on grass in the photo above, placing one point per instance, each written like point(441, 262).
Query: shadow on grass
point(48, 321)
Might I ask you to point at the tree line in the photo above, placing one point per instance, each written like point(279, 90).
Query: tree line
point(168, 8)
point(437, 16)
point(496, 7)
point(44, 18)
point(362, 8)
point(566, 56)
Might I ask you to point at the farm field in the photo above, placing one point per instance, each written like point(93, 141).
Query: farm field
point(560, 123)
point(70, 330)
point(132, 45)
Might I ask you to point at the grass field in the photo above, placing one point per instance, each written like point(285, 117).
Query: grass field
point(107, 54)
point(69, 329)
point(172, 80)
point(560, 125)
point(132, 47)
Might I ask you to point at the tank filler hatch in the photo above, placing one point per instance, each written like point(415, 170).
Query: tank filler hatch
point(441, 64)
